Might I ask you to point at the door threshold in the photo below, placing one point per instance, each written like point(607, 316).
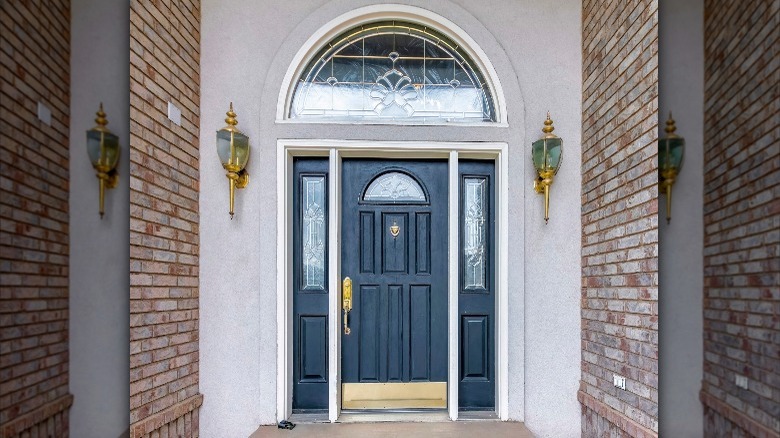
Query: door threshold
point(477, 416)
point(309, 417)
point(397, 416)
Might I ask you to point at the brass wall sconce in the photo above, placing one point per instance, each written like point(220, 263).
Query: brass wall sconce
point(670, 157)
point(103, 151)
point(233, 151)
point(546, 154)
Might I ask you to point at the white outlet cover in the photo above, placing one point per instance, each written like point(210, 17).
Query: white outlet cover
point(619, 381)
point(174, 113)
point(741, 381)
point(44, 114)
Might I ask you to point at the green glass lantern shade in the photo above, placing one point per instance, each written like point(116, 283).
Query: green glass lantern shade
point(546, 154)
point(103, 149)
point(670, 153)
point(233, 149)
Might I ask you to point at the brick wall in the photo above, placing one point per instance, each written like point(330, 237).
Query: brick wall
point(619, 218)
point(741, 218)
point(34, 218)
point(164, 67)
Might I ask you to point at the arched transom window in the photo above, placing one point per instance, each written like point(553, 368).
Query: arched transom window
point(393, 71)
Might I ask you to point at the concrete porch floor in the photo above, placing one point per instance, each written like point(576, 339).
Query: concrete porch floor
point(470, 429)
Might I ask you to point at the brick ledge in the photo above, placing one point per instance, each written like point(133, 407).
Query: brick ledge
point(741, 419)
point(627, 425)
point(166, 416)
point(32, 418)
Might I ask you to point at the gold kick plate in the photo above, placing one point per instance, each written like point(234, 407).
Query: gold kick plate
point(346, 297)
point(398, 395)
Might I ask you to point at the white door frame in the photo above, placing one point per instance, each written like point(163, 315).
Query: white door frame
point(335, 150)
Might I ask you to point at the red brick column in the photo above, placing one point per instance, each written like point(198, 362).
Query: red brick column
point(741, 218)
point(34, 251)
point(164, 237)
point(619, 218)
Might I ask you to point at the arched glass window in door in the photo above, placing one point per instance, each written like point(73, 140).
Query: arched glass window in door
point(393, 72)
point(393, 187)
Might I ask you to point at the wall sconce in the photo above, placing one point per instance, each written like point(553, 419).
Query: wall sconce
point(103, 151)
point(670, 156)
point(233, 151)
point(546, 154)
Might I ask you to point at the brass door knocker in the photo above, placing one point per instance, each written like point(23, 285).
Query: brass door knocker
point(395, 229)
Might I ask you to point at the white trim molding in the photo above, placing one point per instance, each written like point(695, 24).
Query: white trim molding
point(335, 150)
point(334, 297)
point(453, 247)
point(368, 14)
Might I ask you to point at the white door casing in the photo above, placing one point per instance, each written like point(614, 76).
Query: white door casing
point(335, 150)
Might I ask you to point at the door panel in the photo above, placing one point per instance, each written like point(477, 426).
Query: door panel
point(423, 240)
point(476, 300)
point(310, 284)
point(395, 250)
point(395, 324)
point(420, 306)
point(313, 349)
point(368, 332)
point(367, 242)
point(474, 348)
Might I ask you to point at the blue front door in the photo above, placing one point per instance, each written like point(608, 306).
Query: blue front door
point(394, 249)
point(394, 230)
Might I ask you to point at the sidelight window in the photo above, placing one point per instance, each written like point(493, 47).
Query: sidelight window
point(313, 235)
point(475, 233)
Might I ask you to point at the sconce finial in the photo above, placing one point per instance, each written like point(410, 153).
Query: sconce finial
point(231, 116)
point(670, 125)
point(548, 125)
point(101, 119)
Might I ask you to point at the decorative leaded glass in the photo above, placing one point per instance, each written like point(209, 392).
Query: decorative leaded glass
point(313, 236)
point(474, 232)
point(393, 71)
point(394, 187)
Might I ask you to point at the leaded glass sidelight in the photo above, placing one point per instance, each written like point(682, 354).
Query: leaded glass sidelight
point(394, 187)
point(313, 236)
point(393, 71)
point(475, 232)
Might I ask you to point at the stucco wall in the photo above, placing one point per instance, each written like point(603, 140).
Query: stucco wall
point(99, 268)
point(245, 63)
point(681, 82)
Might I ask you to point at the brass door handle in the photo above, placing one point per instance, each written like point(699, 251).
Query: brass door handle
point(346, 297)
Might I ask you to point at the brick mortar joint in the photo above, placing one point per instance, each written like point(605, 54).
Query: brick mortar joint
point(156, 421)
point(618, 419)
point(43, 413)
point(740, 419)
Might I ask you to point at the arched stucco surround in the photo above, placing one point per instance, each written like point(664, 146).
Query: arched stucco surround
point(248, 64)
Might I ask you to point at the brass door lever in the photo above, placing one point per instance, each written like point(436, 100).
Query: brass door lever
point(346, 296)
